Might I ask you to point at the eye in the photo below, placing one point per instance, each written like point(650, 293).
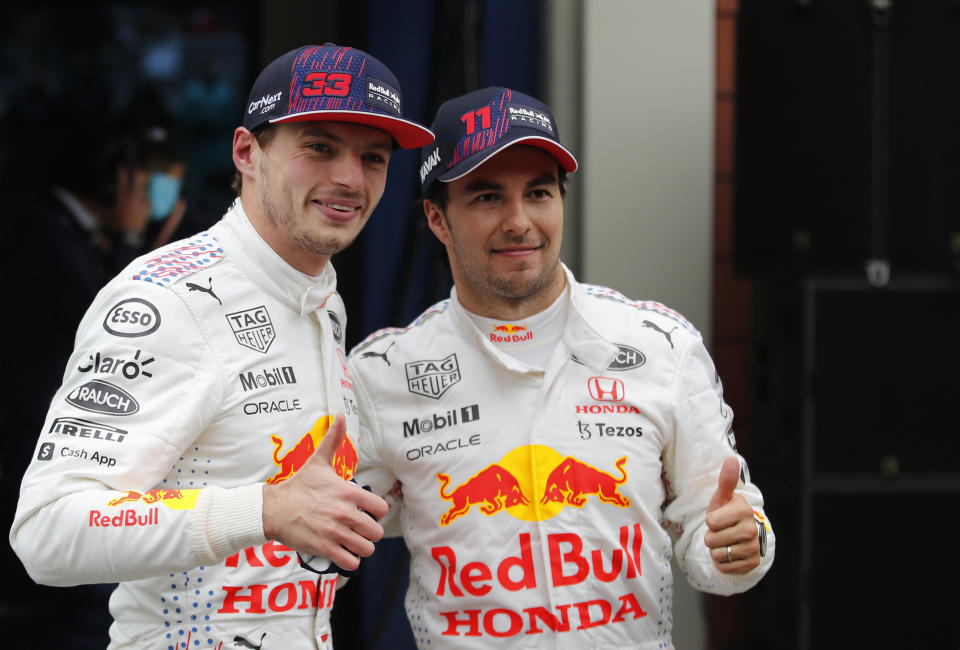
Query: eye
point(488, 197)
point(541, 193)
point(375, 158)
point(320, 147)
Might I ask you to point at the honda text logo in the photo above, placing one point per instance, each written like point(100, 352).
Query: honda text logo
point(605, 389)
point(252, 328)
point(432, 378)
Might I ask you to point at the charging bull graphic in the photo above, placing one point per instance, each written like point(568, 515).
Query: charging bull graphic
point(572, 479)
point(344, 461)
point(492, 489)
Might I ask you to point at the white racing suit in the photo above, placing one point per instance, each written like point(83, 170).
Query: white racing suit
point(539, 506)
point(205, 369)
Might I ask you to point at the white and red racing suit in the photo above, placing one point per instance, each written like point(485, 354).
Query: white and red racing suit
point(205, 369)
point(542, 507)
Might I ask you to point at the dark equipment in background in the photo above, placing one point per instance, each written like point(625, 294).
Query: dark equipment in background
point(847, 222)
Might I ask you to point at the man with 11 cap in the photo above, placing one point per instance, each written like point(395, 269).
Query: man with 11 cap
point(544, 443)
point(197, 443)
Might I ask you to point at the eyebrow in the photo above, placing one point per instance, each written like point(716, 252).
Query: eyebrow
point(315, 131)
point(482, 185)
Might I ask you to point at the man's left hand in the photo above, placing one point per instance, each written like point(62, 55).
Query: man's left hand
point(732, 539)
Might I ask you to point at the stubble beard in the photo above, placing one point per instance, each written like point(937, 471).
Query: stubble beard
point(513, 288)
point(280, 214)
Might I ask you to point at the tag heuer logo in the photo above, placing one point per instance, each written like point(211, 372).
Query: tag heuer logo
point(253, 328)
point(432, 378)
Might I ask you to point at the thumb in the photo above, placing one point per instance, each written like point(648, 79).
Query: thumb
point(729, 477)
point(332, 440)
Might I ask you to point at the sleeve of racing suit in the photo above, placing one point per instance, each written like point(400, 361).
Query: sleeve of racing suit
point(372, 467)
point(109, 494)
point(703, 440)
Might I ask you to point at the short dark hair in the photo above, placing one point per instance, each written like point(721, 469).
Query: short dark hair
point(438, 193)
point(264, 135)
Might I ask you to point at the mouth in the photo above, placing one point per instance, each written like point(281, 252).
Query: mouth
point(339, 210)
point(516, 251)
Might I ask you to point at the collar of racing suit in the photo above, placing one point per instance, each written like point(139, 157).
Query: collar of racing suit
point(266, 269)
point(579, 338)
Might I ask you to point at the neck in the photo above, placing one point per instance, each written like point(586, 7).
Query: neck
point(505, 308)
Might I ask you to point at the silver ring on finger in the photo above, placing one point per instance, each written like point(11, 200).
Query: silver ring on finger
point(729, 554)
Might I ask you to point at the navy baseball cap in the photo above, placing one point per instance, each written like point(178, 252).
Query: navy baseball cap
point(335, 84)
point(473, 127)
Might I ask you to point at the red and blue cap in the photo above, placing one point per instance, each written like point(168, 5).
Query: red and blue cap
point(473, 127)
point(334, 84)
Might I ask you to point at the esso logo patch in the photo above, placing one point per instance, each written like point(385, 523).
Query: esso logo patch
point(131, 318)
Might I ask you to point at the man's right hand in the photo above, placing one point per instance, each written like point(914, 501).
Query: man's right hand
point(316, 512)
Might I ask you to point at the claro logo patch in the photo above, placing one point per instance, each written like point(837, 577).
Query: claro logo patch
point(99, 396)
point(131, 318)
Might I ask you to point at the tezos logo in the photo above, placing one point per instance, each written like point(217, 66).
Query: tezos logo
point(252, 328)
point(103, 397)
point(432, 378)
point(440, 420)
point(268, 377)
point(131, 318)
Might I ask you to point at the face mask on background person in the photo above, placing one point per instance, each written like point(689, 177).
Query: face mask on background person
point(163, 190)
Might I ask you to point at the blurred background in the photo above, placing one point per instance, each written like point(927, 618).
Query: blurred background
point(785, 173)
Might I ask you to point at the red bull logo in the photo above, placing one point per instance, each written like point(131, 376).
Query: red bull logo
point(344, 461)
point(493, 489)
point(176, 499)
point(513, 485)
point(509, 333)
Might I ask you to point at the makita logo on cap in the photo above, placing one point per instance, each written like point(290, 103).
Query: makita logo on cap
point(99, 396)
point(265, 104)
point(432, 161)
point(606, 389)
point(267, 377)
point(432, 378)
point(252, 328)
point(437, 421)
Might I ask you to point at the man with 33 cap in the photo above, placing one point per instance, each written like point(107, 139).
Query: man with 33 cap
point(206, 422)
point(546, 445)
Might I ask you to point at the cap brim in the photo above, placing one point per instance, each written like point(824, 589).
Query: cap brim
point(409, 135)
point(467, 165)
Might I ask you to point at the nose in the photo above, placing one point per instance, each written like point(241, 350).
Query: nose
point(515, 218)
point(348, 171)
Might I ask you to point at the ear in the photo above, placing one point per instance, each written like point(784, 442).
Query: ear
point(437, 222)
point(244, 143)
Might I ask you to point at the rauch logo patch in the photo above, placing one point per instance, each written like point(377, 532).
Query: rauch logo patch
point(99, 396)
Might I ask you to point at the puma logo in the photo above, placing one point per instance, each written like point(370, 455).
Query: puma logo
point(382, 355)
point(196, 287)
point(240, 642)
point(654, 326)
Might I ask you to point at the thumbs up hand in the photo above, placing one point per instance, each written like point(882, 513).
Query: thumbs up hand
point(732, 539)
